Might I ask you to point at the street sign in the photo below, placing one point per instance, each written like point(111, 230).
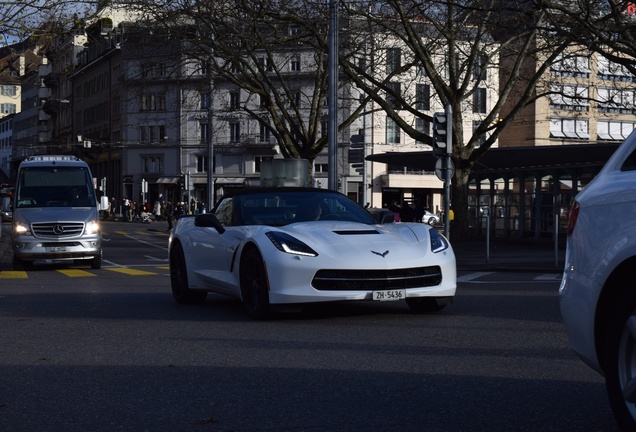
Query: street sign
point(439, 168)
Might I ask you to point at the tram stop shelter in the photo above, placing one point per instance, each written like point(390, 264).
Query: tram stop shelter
point(522, 192)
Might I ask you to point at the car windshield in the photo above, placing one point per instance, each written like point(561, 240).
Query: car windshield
point(282, 208)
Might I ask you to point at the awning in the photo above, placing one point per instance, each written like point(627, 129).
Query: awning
point(503, 160)
point(229, 180)
point(168, 180)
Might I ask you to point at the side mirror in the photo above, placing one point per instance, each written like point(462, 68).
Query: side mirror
point(208, 220)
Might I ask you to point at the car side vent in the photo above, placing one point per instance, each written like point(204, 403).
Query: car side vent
point(357, 232)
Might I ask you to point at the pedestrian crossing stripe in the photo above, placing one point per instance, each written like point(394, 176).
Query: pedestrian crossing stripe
point(13, 274)
point(75, 273)
point(129, 271)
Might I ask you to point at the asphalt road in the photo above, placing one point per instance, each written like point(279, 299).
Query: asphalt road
point(109, 350)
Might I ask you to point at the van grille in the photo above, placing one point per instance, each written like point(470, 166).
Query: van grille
point(57, 229)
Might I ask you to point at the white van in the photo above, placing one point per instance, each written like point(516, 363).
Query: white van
point(55, 212)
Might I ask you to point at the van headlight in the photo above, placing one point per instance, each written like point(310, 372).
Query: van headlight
point(92, 227)
point(21, 229)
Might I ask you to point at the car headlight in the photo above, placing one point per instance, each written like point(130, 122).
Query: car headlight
point(21, 229)
point(92, 227)
point(288, 244)
point(438, 241)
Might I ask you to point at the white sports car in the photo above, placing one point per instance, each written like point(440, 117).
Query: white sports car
point(289, 246)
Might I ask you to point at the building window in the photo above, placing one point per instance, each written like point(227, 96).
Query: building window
point(8, 90)
point(611, 100)
point(482, 138)
point(571, 98)
point(614, 130)
point(264, 133)
point(153, 102)
point(393, 60)
point(202, 164)
point(423, 126)
point(569, 128)
point(608, 70)
point(479, 100)
point(235, 132)
point(262, 102)
point(394, 95)
point(321, 168)
point(479, 72)
point(423, 97)
point(205, 100)
point(7, 108)
point(294, 29)
point(258, 162)
point(392, 131)
point(204, 67)
point(235, 99)
point(152, 164)
point(571, 66)
point(205, 129)
point(151, 134)
point(154, 70)
point(294, 64)
point(266, 64)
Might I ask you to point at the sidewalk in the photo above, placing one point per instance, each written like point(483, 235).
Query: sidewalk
point(507, 256)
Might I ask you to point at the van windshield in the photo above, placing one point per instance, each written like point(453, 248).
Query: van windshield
point(55, 187)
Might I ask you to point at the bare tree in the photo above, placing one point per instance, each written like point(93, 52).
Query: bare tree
point(454, 46)
point(274, 52)
point(21, 19)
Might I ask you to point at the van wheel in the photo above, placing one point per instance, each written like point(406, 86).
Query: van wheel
point(96, 262)
point(20, 264)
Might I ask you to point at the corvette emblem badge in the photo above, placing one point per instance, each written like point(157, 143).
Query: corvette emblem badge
point(382, 254)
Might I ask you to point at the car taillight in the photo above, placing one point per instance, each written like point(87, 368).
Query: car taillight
point(574, 214)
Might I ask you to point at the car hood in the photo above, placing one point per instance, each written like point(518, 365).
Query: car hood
point(395, 241)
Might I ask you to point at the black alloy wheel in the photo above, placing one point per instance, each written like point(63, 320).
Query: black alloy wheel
point(254, 288)
point(179, 279)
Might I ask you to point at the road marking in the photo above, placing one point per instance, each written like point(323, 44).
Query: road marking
point(13, 274)
point(131, 272)
point(75, 273)
point(471, 276)
point(151, 258)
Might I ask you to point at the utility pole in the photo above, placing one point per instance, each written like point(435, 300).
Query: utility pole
point(332, 135)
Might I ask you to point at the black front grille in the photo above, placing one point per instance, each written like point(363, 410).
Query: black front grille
point(57, 229)
point(347, 280)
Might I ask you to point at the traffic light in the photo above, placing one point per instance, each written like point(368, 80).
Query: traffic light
point(441, 136)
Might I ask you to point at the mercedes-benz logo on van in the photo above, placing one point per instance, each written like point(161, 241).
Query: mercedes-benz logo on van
point(58, 229)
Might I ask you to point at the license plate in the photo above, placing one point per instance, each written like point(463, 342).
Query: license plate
point(58, 249)
point(389, 295)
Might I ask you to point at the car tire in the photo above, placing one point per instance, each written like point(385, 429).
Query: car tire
point(425, 304)
point(179, 279)
point(620, 368)
point(96, 262)
point(254, 287)
point(431, 221)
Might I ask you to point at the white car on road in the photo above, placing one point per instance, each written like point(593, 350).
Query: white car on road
point(598, 292)
point(275, 247)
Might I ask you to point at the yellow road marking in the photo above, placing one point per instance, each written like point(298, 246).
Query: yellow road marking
point(12, 274)
point(75, 273)
point(163, 267)
point(129, 271)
